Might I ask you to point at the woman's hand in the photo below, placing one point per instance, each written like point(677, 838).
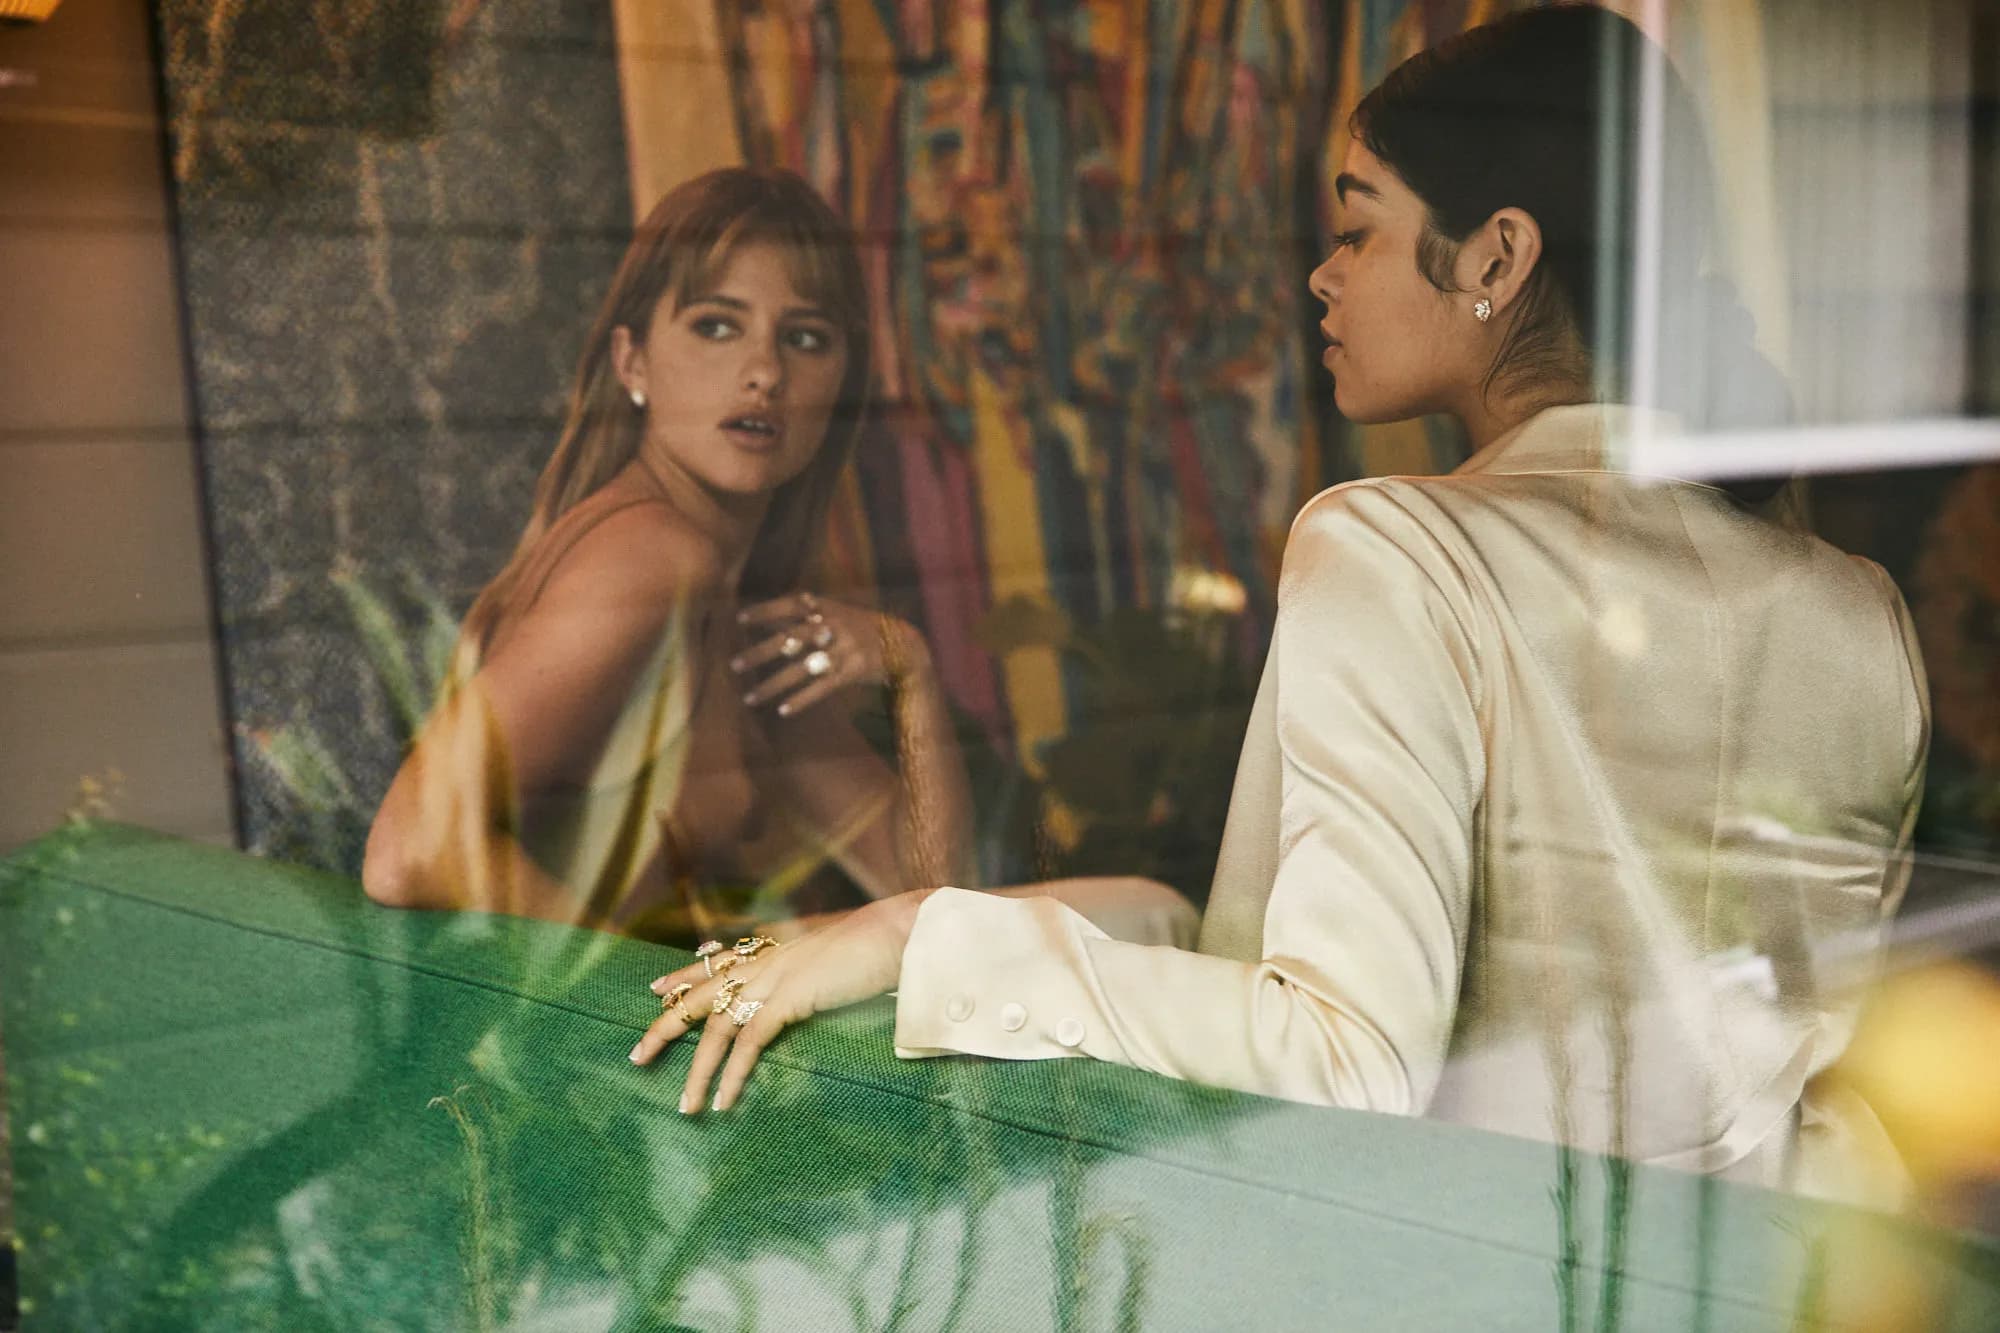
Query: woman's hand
point(767, 987)
point(805, 648)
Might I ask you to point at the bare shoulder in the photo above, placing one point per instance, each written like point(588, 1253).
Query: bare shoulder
point(619, 578)
point(641, 552)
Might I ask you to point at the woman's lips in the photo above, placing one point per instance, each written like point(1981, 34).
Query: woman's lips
point(1333, 345)
point(757, 433)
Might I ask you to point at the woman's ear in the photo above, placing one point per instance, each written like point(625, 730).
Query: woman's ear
point(1495, 262)
point(627, 363)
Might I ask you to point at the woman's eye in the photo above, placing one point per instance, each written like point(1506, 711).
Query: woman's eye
point(713, 327)
point(810, 340)
point(1344, 239)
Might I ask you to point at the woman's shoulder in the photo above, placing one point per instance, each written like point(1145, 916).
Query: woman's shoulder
point(1379, 532)
point(624, 540)
point(1369, 511)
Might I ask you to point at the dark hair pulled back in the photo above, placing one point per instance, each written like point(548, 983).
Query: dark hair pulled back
point(1542, 111)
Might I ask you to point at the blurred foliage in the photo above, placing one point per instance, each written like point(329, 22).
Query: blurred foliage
point(406, 635)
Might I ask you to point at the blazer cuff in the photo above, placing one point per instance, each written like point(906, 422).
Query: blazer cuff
point(984, 975)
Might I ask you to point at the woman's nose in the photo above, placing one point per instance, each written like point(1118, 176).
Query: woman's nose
point(763, 367)
point(1322, 284)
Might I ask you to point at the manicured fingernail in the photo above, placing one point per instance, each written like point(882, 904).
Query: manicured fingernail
point(688, 1105)
point(634, 1057)
point(659, 986)
point(784, 710)
point(718, 1105)
point(737, 664)
point(742, 617)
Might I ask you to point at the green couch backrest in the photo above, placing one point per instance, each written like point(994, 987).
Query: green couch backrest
point(242, 1096)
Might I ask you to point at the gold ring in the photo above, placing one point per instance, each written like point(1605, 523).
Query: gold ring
point(727, 995)
point(673, 1000)
point(748, 946)
point(706, 952)
point(742, 1013)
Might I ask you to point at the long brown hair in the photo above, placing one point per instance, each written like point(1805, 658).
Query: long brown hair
point(684, 243)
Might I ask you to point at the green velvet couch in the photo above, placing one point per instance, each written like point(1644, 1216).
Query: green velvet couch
point(243, 1097)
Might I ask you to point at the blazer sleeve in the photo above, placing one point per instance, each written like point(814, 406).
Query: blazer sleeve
point(1351, 1003)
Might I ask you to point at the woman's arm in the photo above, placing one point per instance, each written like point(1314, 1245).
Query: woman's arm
point(933, 804)
point(890, 827)
point(1381, 767)
point(534, 720)
point(1375, 731)
point(442, 837)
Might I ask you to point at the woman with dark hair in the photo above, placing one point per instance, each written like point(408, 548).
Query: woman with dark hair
point(618, 738)
point(1573, 801)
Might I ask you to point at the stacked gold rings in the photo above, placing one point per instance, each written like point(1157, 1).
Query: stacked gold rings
point(715, 961)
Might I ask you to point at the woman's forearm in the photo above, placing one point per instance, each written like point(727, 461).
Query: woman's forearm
point(933, 809)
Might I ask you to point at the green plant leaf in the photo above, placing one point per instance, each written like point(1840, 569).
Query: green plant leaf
point(382, 642)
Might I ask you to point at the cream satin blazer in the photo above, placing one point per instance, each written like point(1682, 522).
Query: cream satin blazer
point(1572, 806)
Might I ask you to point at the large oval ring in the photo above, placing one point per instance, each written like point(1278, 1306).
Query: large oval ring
point(727, 995)
point(791, 645)
point(748, 946)
point(818, 663)
point(742, 1013)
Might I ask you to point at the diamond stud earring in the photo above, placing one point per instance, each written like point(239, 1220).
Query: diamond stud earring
point(639, 395)
point(1482, 310)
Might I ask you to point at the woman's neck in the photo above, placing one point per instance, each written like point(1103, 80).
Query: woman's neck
point(1486, 418)
point(729, 521)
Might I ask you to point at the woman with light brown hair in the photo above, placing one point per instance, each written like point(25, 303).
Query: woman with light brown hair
point(645, 705)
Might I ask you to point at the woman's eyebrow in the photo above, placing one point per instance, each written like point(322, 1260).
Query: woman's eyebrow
point(737, 303)
point(1345, 182)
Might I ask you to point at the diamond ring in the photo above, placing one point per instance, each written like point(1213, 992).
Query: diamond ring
point(743, 1012)
point(791, 645)
point(727, 995)
point(818, 663)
